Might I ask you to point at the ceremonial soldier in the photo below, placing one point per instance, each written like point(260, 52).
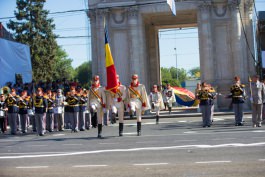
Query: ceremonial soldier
point(138, 100)
point(205, 96)
point(97, 102)
point(116, 103)
point(212, 98)
point(40, 104)
point(50, 113)
point(58, 110)
point(67, 123)
point(238, 95)
point(73, 106)
point(82, 109)
point(3, 110)
point(11, 103)
point(169, 97)
point(257, 99)
point(23, 104)
point(156, 100)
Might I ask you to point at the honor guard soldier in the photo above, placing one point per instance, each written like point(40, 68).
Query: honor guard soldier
point(169, 97)
point(257, 99)
point(11, 103)
point(3, 110)
point(138, 100)
point(116, 103)
point(97, 102)
point(23, 105)
point(73, 106)
point(238, 95)
point(156, 101)
point(58, 110)
point(212, 98)
point(50, 112)
point(205, 96)
point(82, 109)
point(40, 104)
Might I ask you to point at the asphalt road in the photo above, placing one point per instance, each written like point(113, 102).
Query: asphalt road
point(177, 147)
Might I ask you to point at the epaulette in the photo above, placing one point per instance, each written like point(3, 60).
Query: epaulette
point(242, 85)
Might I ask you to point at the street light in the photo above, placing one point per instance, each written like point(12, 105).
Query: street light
point(176, 63)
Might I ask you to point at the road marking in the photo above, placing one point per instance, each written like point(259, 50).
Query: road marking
point(182, 121)
point(258, 131)
point(38, 145)
point(58, 135)
point(131, 133)
point(108, 143)
point(72, 144)
point(137, 150)
point(261, 159)
point(34, 167)
point(150, 164)
point(185, 140)
point(209, 162)
point(190, 132)
point(218, 139)
point(83, 166)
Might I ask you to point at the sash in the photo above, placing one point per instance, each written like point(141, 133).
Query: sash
point(97, 96)
point(136, 93)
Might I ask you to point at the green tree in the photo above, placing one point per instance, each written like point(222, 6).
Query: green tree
point(84, 73)
point(33, 27)
point(167, 77)
point(195, 72)
point(63, 66)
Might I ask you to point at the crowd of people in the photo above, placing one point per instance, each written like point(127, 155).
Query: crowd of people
point(55, 106)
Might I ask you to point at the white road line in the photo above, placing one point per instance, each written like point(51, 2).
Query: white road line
point(182, 121)
point(38, 145)
point(131, 133)
point(58, 135)
point(185, 140)
point(218, 139)
point(150, 164)
point(72, 144)
point(258, 131)
point(108, 143)
point(209, 162)
point(190, 132)
point(34, 167)
point(262, 160)
point(83, 166)
point(137, 150)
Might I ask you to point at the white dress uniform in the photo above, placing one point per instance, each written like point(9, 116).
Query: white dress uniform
point(138, 101)
point(96, 103)
point(169, 98)
point(116, 104)
point(156, 101)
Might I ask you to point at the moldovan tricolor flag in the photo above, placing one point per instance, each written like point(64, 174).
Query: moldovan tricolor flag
point(112, 83)
point(172, 6)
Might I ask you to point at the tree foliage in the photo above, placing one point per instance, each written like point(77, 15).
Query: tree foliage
point(33, 27)
point(195, 72)
point(169, 75)
point(84, 73)
point(63, 66)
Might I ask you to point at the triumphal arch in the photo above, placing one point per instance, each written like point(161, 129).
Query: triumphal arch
point(225, 38)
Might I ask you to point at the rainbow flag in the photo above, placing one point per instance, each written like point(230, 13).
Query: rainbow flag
point(112, 83)
point(185, 97)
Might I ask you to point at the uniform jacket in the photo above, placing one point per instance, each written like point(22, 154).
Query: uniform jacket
point(40, 104)
point(156, 98)
point(142, 91)
point(112, 98)
point(92, 98)
point(11, 103)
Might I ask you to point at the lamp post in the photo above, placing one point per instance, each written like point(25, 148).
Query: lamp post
point(176, 63)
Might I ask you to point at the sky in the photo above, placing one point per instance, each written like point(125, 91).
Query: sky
point(177, 47)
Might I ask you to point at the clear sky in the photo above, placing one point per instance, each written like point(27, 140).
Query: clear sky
point(77, 24)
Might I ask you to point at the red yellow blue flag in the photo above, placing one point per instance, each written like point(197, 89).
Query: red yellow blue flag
point(112, 83)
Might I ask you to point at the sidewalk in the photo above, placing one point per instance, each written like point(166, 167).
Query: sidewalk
point(183, 112)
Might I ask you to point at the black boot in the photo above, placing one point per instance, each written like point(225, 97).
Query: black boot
point(139, 128)
point(157, 119)
point(99, 130)
point(120, 129)
point(169, 109)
